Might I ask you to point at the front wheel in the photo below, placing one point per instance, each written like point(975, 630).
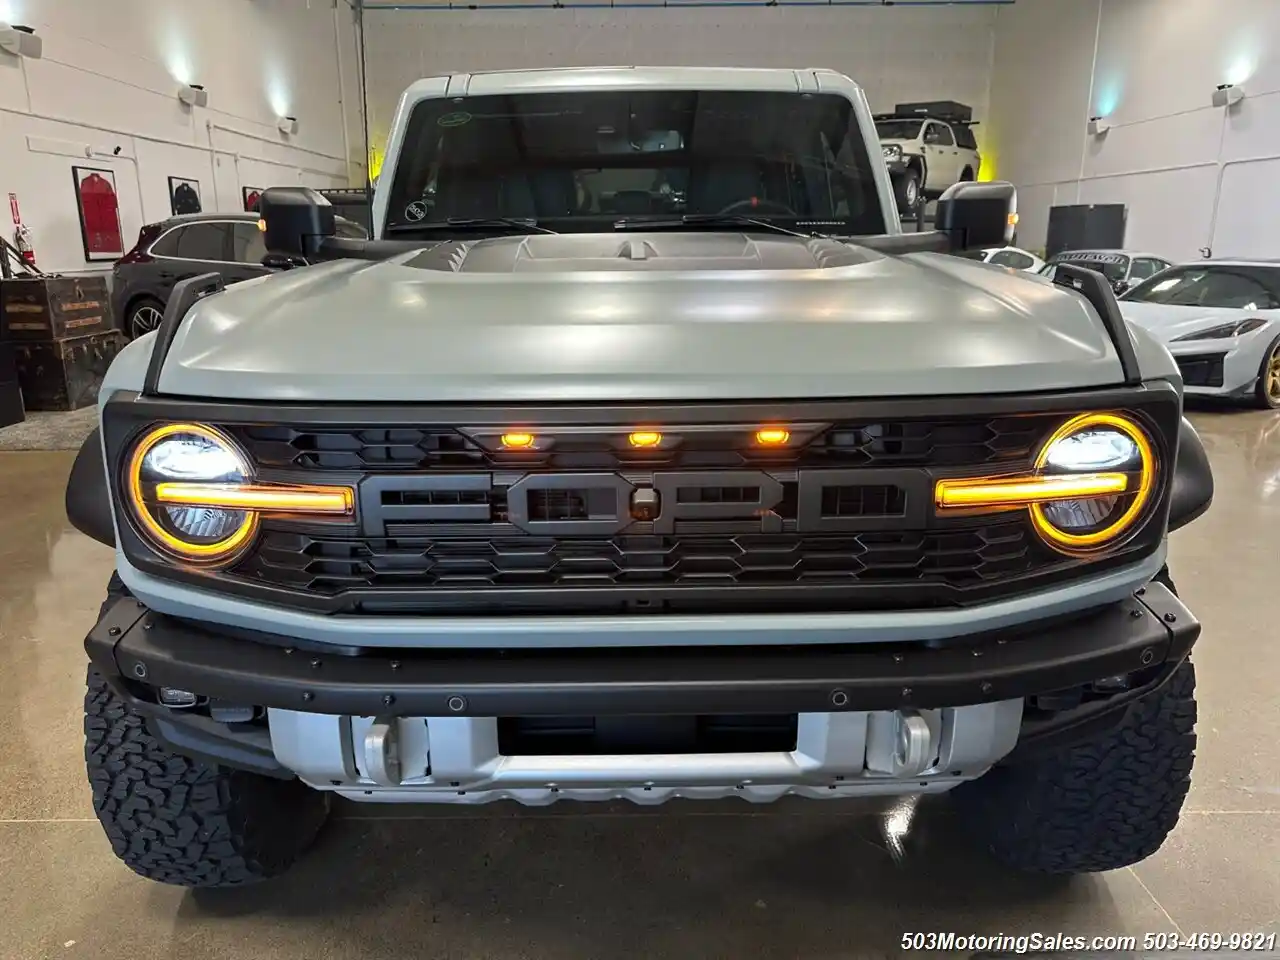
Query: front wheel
point(180, 821)
point(1267, 393)
point(1097, 805)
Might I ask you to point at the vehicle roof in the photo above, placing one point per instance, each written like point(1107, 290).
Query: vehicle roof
point(1236, 262)
point(213, 217)
point(924, 116)
point(566, 79)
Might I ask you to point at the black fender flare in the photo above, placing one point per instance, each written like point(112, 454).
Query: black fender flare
point(1192, 491)
point(89, 494)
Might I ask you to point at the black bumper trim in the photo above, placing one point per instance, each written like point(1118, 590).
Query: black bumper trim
point(1140, 633)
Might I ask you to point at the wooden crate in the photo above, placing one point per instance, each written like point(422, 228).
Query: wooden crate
point(65, 374)
point(54, 308)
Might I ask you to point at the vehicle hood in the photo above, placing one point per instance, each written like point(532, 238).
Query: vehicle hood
point(1168, 323)
point(618, 317)
point(899, 142)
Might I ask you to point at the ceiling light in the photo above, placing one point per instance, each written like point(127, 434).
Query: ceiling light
point(193, 95)
point(1227, 95)
point(20, 41)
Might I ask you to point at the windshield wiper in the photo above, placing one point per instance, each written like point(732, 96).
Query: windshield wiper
point(713, 219)
point(527, 224)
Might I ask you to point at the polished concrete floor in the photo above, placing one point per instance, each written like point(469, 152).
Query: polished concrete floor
point(795, 881)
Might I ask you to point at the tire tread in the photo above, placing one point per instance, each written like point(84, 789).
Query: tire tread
point(181, 821)
point(1095, 806)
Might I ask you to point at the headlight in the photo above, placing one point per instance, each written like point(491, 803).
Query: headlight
point(892, 151)
point(1093, 479)
point(191, 492)
point(1235, 328)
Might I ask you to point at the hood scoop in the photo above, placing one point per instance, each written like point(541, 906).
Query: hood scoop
point(595, 253)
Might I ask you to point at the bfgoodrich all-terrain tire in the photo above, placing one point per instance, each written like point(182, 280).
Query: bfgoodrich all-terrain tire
point(180, 821)
point(1098, 805)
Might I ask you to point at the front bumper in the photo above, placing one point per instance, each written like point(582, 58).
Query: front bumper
point(1222, 368)
point(427, 726)
point(138, 648)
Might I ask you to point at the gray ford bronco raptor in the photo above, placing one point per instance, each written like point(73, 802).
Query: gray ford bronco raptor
point(638, 455)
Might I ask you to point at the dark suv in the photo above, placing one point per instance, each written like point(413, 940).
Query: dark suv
point(187, 246)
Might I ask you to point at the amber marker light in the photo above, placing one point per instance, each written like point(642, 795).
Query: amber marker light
point(518, 441)
point(645, 438)
point(1017, 491)
point(337, 501)
point(772, 437)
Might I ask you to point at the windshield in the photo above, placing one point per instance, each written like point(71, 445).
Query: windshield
point(584, 160)
point(898, 129)
point(1240, 287)
point(1113, 266)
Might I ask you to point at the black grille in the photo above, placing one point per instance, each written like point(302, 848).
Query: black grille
point(332, 565)
point(879, 443)
point(1201, 370)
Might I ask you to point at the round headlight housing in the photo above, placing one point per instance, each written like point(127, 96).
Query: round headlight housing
point(189, 453)
point(1092, 445)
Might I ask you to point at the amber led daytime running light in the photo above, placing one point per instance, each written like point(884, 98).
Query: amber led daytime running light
point(248, 496)
point(1037, 489)
point(252, 499)
point(1015, 491)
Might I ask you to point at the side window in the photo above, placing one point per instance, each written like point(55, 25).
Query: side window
point(350, 230)
point(939, 134)
point(1144, 267)
point(1011, 258)
point(964, 137)
point(203, 241)
point(248, 245)
point(167, 246)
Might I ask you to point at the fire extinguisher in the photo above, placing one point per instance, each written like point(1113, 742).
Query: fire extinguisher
point(22, 240)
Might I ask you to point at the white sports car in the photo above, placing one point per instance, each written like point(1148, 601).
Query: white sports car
point(1012, 257)
point(1221, 321)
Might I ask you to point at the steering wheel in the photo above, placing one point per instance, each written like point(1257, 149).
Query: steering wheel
point(754, 205)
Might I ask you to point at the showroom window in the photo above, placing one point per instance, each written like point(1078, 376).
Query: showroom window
point(1240, 287)
point(575, 160)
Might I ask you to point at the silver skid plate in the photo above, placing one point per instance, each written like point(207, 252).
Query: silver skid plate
point(457, 760)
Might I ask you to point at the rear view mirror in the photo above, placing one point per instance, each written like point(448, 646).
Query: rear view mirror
point(974, 215)
point(296, 220)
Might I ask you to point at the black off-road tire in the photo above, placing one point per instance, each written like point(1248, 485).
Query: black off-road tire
point(908, 191)
point(181, 821)
point(1094, 806)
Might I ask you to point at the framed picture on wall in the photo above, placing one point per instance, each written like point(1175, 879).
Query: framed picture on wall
point(251, 197)
point(184, 196)
point(99, 210)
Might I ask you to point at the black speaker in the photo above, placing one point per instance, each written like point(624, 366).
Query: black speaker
point(1086, 227)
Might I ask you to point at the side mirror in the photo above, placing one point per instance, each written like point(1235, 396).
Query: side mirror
point(297, 221)
point(1120, 286)
point(974, 215)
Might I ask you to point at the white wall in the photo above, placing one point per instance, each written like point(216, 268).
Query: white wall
point(1192, 175)
point(899, 53)
point(108, 79)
